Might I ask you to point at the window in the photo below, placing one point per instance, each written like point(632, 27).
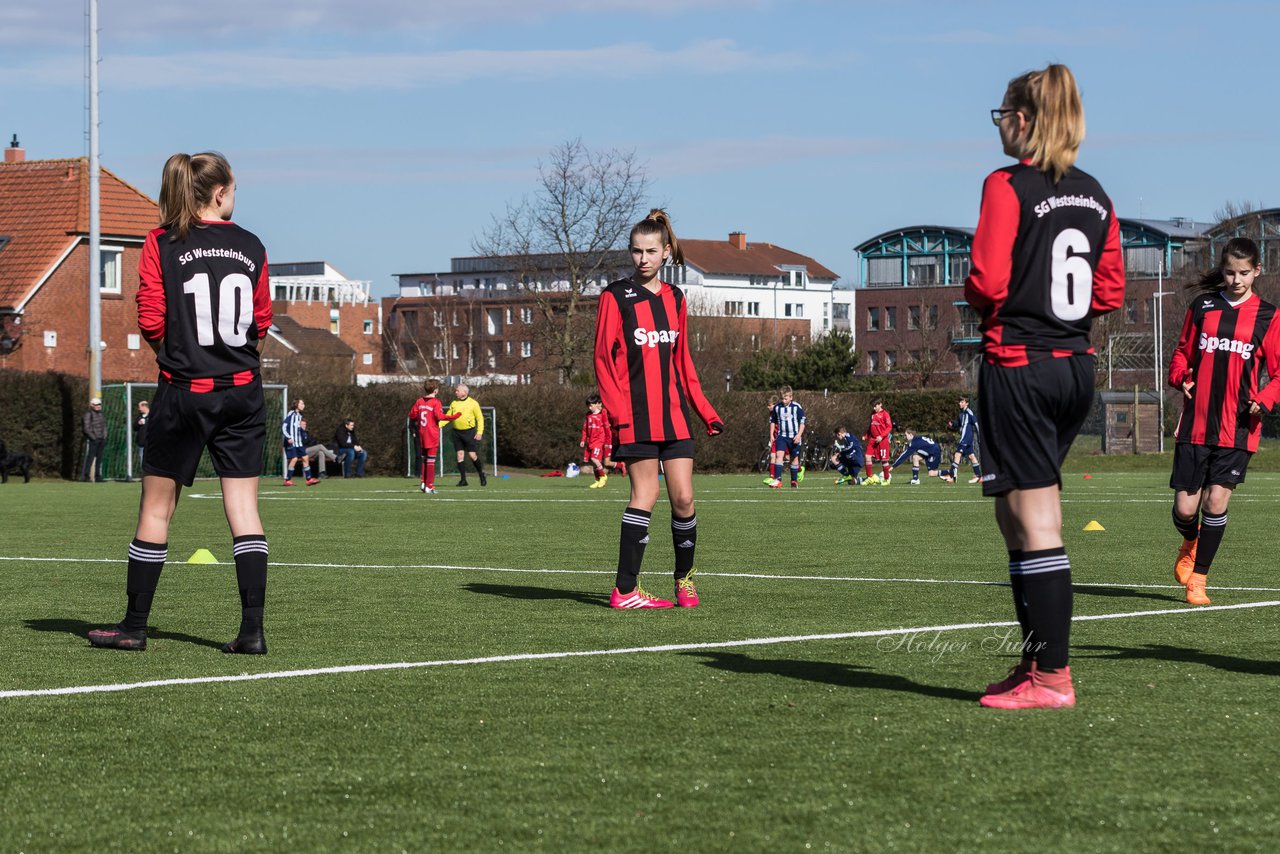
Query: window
point(959, 269)
point(840, 311)
point(134, 342)
point(891, 317)
point(367, 359)
point(455, 317)
point(335, 319)
point(410, 320)
point(438, 351)
point(493, 357)
point(873, 319)
point(368, 327)
point(526, 349)
point(873, 362)
point(437, 320)
point(508, 348)
point(913, 317)
point(924, 270)
point(755, 343)
point(111, 260)
point(753, 309)
point(786, 310)
point(1131, 311)
point(799, 310)
point(932, 317)
point(890, 360)
point(526, 315)
point(455, 352)
point(915, 356)
point(508, 315)
point(733, 308)
point(884, 272)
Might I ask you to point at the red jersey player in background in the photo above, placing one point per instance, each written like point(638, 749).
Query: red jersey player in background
point(425, 417)
point(196, 267)
point(647, 382)
point(1046, 260)
point(877, 440)
point(596, 440)
point(1229, 335)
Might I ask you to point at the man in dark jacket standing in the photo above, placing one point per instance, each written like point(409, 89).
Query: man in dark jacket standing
point(94, 426)
point(349, 449)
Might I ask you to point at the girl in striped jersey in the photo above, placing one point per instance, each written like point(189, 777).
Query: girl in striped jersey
point(1229, 335)
point(197, 266)
point(646, 379)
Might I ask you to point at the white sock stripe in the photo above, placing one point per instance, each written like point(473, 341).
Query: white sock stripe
point(638, 521)
point(148, 555)
point(1048, 569)
point(1036, 563)
point(245, 548)
point(684, 526)
point(1214, 521)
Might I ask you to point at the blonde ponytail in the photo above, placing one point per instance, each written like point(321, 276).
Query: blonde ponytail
point(187, 185)
point(1050, 101)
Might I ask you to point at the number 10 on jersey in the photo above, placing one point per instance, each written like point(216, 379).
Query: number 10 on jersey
point(235, 308)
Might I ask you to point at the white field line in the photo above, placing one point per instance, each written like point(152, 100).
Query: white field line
point(545, 656)
point(750, 575)
point(414, 496)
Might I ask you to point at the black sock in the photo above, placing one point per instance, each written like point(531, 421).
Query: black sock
point(684, 536)
point(479, 466)
point(1046, 593)
point(251, 577)
point(1186, 527)
point(146, 560)
point(1211, 530)
point(1019, 605)
point(635, 533)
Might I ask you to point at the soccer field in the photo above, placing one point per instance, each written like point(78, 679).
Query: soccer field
point(444, 674)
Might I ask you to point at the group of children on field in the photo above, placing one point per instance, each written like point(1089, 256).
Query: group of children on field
point(1036, 281)
point(849, 457)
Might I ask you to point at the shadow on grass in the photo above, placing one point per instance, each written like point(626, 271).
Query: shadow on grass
point(80, 629)
point(830, 673)
point(1164, 652)
point(539, 594)
point(1174, 595)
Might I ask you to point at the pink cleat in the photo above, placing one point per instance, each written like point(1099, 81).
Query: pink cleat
point(636, 599)
point(288, 483)
point(1044, 690)
point(686, 595)
point(1020, 673)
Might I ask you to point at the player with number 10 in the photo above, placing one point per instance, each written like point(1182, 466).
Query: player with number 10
point(204, 306)
point(1046, 261)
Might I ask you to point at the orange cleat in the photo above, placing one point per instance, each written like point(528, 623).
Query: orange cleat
point(1195, 589)
point(1186, 561)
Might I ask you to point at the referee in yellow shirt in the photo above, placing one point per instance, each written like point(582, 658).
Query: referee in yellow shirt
point(468, 430)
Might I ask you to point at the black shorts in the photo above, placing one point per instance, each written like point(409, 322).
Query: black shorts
point(465, 440)
point(231, 423)
point(1031, 415)
point(1198, 466)
point(677, 449)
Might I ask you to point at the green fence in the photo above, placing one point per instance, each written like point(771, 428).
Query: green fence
point(120, 459)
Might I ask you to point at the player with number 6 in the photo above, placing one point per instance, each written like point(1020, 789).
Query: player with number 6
point(204, 306)
point(1046, 261)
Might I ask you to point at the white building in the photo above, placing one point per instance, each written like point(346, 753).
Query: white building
point(734, 278)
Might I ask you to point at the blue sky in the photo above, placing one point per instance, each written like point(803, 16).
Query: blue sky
point(383, 135)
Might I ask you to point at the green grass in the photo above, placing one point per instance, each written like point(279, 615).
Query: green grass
point(874, 743)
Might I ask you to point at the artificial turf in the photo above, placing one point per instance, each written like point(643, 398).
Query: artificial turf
point(790, 742)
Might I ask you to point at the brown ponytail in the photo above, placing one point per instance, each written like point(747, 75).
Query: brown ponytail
point(1050, 101)
point(187, 186)
point(1239, 248)
point(657, 222)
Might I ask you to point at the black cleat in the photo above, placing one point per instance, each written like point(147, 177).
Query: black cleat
point(484, 481)
point(117, 638)
point(252, 644)
point(463, 482)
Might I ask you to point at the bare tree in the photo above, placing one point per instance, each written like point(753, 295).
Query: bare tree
point(924, 342)
point(565, 241)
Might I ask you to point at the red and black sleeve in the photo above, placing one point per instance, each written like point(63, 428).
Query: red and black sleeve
point(1108, 278)
point(692, 386)
point(150, 298)
point(1180, 365)
point(612, 388)
point(262, 300)
point(987, 285)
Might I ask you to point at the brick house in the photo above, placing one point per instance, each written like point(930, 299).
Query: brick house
point(44, 268)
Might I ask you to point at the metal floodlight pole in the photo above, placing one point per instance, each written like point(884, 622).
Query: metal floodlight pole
point(1160, 294)
point(95, 226)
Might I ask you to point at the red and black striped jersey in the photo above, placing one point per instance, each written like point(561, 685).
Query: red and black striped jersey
point(644, 372)
point(1046, 260)
point(1223, 349)
point(207, 299)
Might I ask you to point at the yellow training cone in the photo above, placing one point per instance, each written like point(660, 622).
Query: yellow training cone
point(202, 556)
point(1092, 526)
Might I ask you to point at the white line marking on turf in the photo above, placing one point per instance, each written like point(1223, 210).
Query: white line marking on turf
point(753, 575)
point(545, 656)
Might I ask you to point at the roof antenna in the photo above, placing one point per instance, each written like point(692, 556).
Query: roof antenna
point(14, 142)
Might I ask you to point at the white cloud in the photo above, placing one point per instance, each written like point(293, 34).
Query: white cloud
point(60, 22)
point(399, 71)
point(1022, 36)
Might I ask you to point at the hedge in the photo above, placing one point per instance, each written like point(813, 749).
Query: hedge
point(538, 426)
